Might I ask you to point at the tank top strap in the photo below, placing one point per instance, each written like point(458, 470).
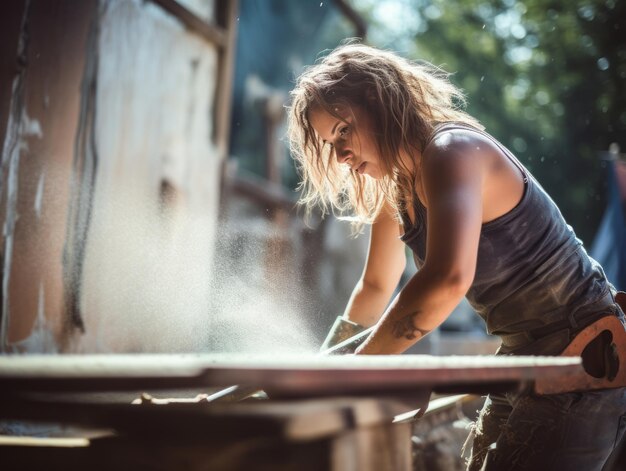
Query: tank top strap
point(447, 126)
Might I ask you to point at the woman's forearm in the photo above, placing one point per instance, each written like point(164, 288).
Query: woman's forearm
point(422, 305)
point(367, 303)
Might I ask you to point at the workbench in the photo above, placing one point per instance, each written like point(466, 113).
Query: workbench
point(323, 413)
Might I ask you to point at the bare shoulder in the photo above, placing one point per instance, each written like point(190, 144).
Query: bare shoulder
point(463, 155)
point(465, 150)
point(457, 143)
point(460, 152)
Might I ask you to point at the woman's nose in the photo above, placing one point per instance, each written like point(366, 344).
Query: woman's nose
point(342, 154)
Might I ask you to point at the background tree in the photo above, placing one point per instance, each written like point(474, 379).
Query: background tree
point(545, 77)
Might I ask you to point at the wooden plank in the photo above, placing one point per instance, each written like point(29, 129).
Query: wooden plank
point(304, 376)
point(383, 447)
point(295, 421)
point(227, 18)
point(265, 193)
point(210, 32)
point(55, 442)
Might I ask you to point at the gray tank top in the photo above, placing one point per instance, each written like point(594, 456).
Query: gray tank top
point(532, 271)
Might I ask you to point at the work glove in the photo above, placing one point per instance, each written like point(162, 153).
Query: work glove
point(342, 330)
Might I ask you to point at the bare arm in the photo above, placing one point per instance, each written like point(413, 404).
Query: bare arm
point(385, 263)
point(453, 178)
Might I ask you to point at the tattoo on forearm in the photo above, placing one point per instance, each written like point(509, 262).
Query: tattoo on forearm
point(405, 328)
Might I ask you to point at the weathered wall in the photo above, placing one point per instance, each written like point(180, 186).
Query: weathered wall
point(155, 205)
point(110, 176)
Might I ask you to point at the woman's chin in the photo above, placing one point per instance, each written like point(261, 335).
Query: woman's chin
point(373, 173)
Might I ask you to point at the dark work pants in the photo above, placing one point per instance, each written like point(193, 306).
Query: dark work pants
point(564, 432)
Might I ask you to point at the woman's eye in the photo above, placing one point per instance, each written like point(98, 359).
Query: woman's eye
point(343, 131)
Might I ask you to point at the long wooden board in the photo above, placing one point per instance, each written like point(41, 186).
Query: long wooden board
point(294, 376)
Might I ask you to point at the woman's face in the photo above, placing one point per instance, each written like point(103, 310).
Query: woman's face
point(352, 139)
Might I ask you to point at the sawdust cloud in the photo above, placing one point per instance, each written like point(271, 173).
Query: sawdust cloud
point(160, 281)
point(259, 302)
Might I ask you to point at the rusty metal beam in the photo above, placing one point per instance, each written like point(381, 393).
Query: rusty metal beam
point(210, 32)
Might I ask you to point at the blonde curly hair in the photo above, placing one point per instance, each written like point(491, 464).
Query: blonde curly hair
point(405, 100)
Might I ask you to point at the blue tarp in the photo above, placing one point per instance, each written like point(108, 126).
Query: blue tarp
point(609, 245)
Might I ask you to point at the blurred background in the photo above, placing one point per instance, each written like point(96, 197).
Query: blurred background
point(148, 198)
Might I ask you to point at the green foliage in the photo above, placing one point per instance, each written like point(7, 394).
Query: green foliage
point(545, 77)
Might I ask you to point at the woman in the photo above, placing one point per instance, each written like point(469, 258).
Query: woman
point(383, 140)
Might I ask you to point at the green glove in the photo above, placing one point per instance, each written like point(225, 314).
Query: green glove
point(342, 329)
